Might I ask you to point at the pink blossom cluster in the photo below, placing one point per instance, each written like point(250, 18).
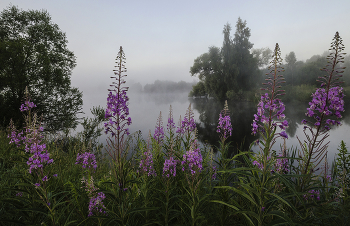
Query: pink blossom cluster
point(215, 169)
point(224, 126)
point(268, 109)
point(27, 106)
point(117, 113)
point(312, 195)
point(187, 124)
point(146, 164)
point(327, 105)
point(87, 160)
point(281, 165)
point(96, 204)
point(192, 160)
point(159, 131)
point(169, 168)
point(31, 139)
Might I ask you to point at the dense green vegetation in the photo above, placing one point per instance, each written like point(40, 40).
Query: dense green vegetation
point(34, 54)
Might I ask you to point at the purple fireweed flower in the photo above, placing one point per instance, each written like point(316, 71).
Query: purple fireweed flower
point(45, 178)
point(270, 109)
point(281, 164)
point(312, 195)
point(171, 123)
point(159, 131)
point(215, 169)
point(31, 138)
point(117, 113)
point(55, 175)
point(326, 105)
point(87, 159)
point(19, 194)
point(224, 126)
point(262, 209)
point(37, 184)
point(258, 164)
point(169, 168)
point(27, 106)
point(326, 102)
point(146, 164)
point(192, 161)
point(187, 124)
point(274, 110)
point(96, 205)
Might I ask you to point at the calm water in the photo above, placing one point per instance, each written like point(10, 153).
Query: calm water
point(145, 109)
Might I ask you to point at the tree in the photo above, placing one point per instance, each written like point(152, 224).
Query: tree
point(34, 54)
point(246, 63)
point(291, 60)
point(227, 71)
point(263, 56)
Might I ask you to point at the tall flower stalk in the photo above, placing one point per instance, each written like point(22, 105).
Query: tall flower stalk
point(88, 162)
point(271, 108)
point(159, 130)
point(117, 113)
point(39, 158)
point(325, 108)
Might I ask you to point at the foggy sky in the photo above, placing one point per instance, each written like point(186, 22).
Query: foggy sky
point(162, 38)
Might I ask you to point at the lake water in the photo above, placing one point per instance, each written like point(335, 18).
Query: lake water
point(145, 109)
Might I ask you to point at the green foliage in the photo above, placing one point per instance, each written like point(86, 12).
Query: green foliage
point(34, 54)
point(92, 130)
point(198, 90)
point(228, 71)
point(342, 165)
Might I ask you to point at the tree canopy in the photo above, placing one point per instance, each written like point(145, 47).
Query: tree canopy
point(225, 72)
point(34, 54)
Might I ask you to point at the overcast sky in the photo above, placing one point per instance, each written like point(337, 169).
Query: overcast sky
point(162, 38)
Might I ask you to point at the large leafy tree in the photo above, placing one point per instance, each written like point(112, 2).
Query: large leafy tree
point(34, 54)
point(246, 63)
point(230, 70)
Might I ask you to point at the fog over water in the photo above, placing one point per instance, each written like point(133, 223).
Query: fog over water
point(145, 108)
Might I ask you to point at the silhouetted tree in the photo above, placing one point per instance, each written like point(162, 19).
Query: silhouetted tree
point(227, 71)
point(34, 54)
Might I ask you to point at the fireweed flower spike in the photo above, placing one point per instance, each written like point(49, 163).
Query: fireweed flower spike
point(192, 160)
point(169, 168)
point(159, 131)
point(171, 124)
point(187, 124)
point(117, 111)
point(224, 126)
point(88, 160)
point(31, 138)
point(146, 164)
point(271, 107)
point(326, 106)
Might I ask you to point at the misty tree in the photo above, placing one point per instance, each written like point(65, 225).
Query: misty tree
point(246, 63)
point(290, 67)
point(228, 71)
point(346, 74)
point(263, 56)
point(34, 54)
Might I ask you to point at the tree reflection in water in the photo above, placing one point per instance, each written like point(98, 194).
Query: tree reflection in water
point(242, 115)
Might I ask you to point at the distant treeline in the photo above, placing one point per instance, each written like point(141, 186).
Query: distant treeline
point(307, 73)
point(163, 87)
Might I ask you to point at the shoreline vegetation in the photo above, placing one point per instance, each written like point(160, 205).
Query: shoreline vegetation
point(168, 179)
